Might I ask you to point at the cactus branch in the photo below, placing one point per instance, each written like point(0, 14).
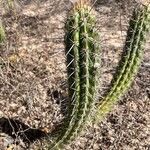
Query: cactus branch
point(139, 26)
point(81, 50)
point(2, 33)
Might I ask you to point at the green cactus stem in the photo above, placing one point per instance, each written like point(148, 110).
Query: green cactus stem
point(10, 4)
point(2, 33)
point(81, 51)
point(139, 26)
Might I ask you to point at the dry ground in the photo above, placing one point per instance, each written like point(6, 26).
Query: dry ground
point(33, 82)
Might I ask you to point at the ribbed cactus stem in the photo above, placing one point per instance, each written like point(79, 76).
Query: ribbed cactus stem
point(2, 33)
point(81, 50)
point(139, 26)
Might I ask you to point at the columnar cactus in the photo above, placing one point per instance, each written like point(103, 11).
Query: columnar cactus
point(81, 52)
point(139, 26)
point(2, 33)
point(10, 4)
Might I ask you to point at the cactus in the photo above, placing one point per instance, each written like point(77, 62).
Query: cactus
point(2, 33)
point(10, 4)
point(139, 26)
point(81, 51)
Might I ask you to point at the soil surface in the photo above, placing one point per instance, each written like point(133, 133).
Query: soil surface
point(33, 79)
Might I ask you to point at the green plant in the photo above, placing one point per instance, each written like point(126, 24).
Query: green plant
point(139, 26)
point(2, 33)
point(10, 4)
point(81, 51)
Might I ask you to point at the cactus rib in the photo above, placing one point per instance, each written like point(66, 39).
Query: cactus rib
point(81, 48)
point(136, 38)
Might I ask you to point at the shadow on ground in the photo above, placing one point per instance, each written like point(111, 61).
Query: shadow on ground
point(15, 129)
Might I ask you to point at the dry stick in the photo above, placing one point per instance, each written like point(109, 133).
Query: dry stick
point(139, 26)
point(81, 50)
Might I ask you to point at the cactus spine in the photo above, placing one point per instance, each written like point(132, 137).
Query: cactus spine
point(81, 50)
point(139, 26)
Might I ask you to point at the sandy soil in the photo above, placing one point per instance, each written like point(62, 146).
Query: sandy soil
point(33, 81)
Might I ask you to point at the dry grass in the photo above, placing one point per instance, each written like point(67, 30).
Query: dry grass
point(33, 87)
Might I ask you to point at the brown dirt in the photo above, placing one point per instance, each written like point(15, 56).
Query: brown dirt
point(33, 81)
